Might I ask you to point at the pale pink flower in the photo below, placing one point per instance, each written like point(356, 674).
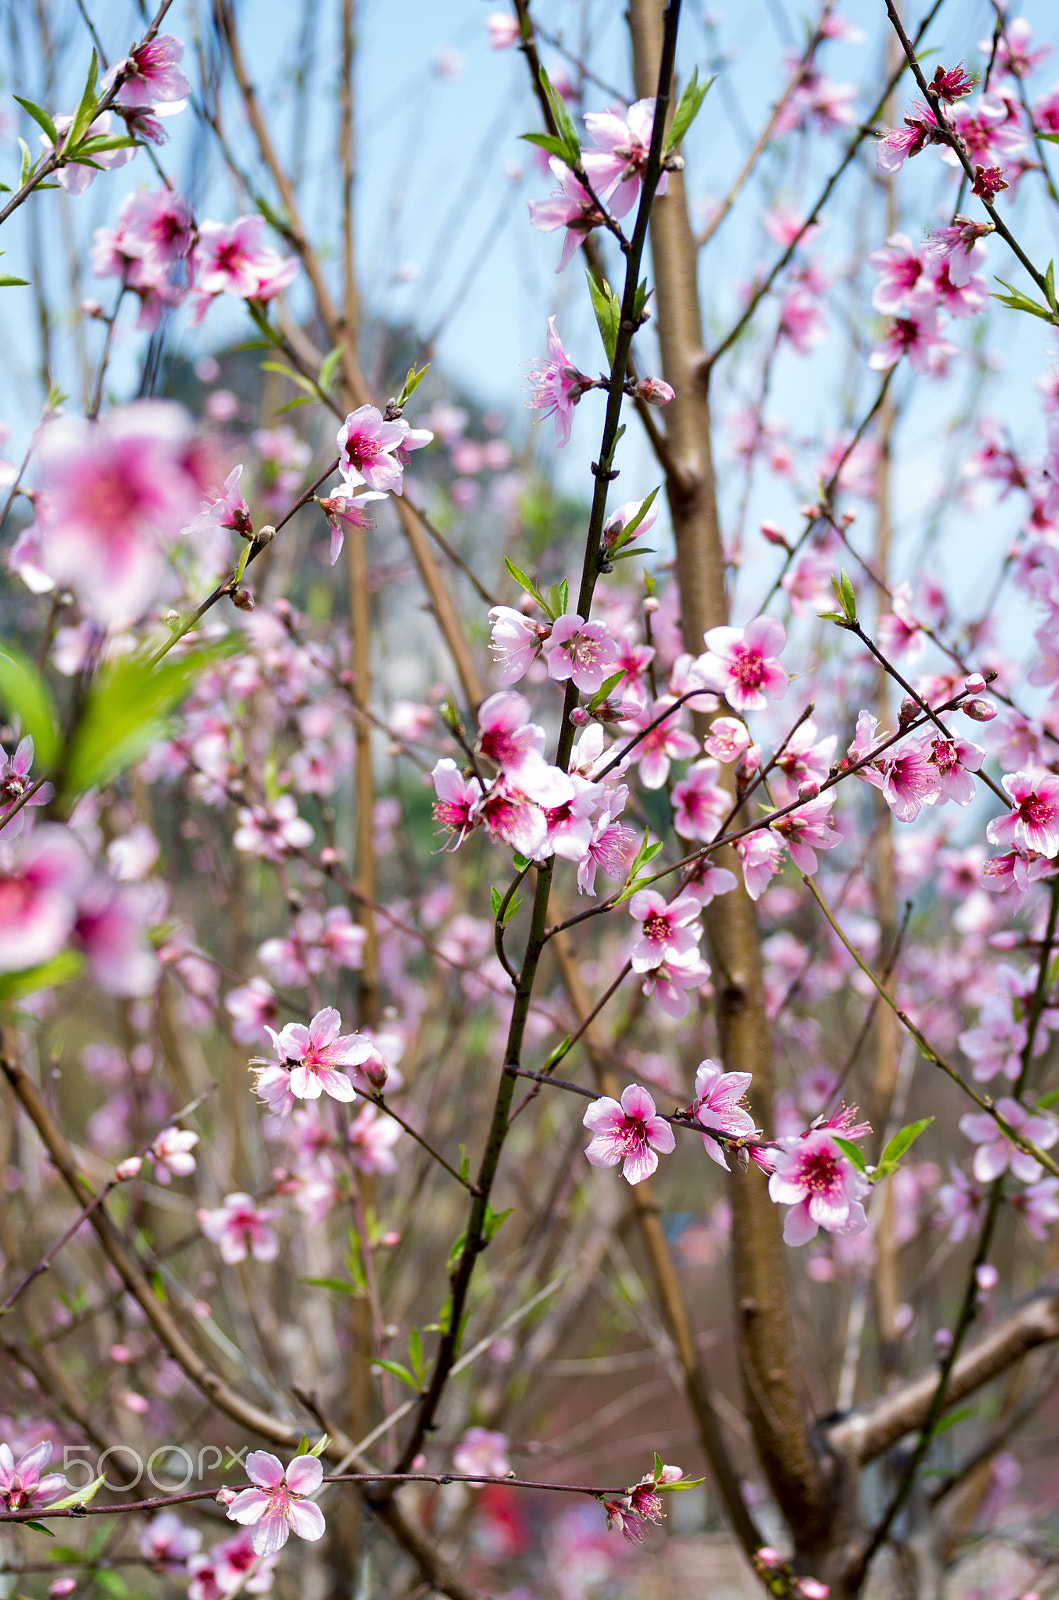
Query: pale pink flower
point(666, 931)
point(573, 208)
point(504, 30)
point(457, 799)
point(996, 1153)
point(251, 1006)
point(373, 451)
point(344, 512)
point(506, 737)
point(42, 876)
point(237, 1562)
point(227, 509)
point(743, 665)
point(21, 1484)
point(1039, 1205)
point(809, 826)
point(802, 320)
point(619, 520)
point(914, 334)
point(313, 1056)
point(167, 1544)
point(152, 76)
point(630, 1132)
point(959, 1204)
point(15, 779)
point(961, 247)
point(157, 228)
point(699, 803)
point(1033, 823)
point(482, 1453)
point(900, 269)
point(372, 1136)
point(727, 739)
point(895, 148)
point(670, 982)
point(612, 847)
point(277, 1505)
point(954, 760)
point(633, 660)
point(717, 1105)
point(171, 1154)
point(272, 830)
point(706, 882)
point(76, 177)
point(556, 386)
point(229, 258)
point(513, 809)
point(761, 855)
point(571, 826)
point(821, 1186)
point(515, 641)
point(616, 166)
point(239, 1227)
point(655, 391)
point(583, 651)
point(665, 743)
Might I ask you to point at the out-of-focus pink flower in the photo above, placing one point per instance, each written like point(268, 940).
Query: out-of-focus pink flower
point(483, 1453)
point(895, 148)
point(229, 258)
point(251, 1006)
point(556, 386)
point(996, 1152)
point(21, 1484)
point(504, 30)
point(41, 879)
point(273, 830)
point(761, 855)
point(743, 665)
point(171, 1154)
point(630, 1132)
point(239, 1227)
point(374, 451)
point(900, 270)
point(152, 76)
point(76, 177)
point(167, 1544)
point(915, 335)
point(671, 982)
point(372, 1136)
point(821, 1186)
point(1039, 1205)
point(277, 1506)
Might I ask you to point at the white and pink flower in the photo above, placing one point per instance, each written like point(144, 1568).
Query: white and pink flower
point(630, 1132)
point(278, 1505)
point(821, 1186)
point(743, 663)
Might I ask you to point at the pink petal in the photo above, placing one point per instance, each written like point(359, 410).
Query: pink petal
point(306, 1519)
point(305, 1475)
point(264, 1469)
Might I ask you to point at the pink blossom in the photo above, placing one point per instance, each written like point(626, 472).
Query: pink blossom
point(964, 299)
point(632, 660)
point(155, 228)
point(616, 166)
point(802, 320)
point(810, 825)
point(630, 1132)
point(742, 663)
point(506, 737)
point(996, 1152)
point(1039, 1205)
point(900, 270)
point(372, 1135)
point(959, 1204)
point(556, 386)
point(516, 642)
point(503, 30)
point(171, 1154)
point(41, 879)
point(717, 1097)
point(665, 743)
point(14, 781)
point(457, 801)
point(670, 982)
point(76, 176)
point(820, 1184)
point(580, 650)
point(152, 76)
point(225, 510)
point(167, 1544)
point(612, 847)
point(21, 1484)
point(240, 1226)
point(1033, 822)
point(277, 1505)
point(1013, 53)
point(251, 1006)
point(237, 1562)
point(706, 882)
point(954, 760)
point(272, 830)
point(571, 826)
point(513, 809)
point(229, 258)
point(573, 208)
point(895, 148)
point(727, 739)
point(116, 489)
point(961, 246)
point(655, 391)
point(914, 334)
point(483, 1453)
point(699, 803)
point(761, 855)
point(373, 451)
point(313, 1055)
point(665, 930)
point(344, 512)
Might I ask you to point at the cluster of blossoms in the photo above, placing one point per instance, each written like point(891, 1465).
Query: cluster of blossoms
point(917, 287)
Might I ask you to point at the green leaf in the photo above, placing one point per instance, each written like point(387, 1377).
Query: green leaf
point(1049, 286)
point(85, 112)
point(125, 712)
point(520, 863)
point(105, 141)
point(48, 975)
point(681, 1483)
point(411, 384)
point(950, 1419)
point(831, 616)
point(557, 1054)
point(496, 899)
point(563, 121)
point(415, 1353)
point(328, 368)
point(606, 306)
point(24, 692)
point(513, 909)
point(38, 1527)
point(465, 1163)
point(321, 1445)
point(303, 1446)
point(606, 688)
point(337, 1285)
point(40, 117)
point(637, 550)
point(532, 588)
point(688, 108)
point(845, 595)
point(1048, 1100)
point(1052, 138)
point(547, 141)
point(396, 1370)
point(629, 531)
point(8, 282)
point(494, 1221)
point(79, 1497)
point(852, 1153)
point(1021, 302)
point(111, 1582)
point(902, 1141)
point(27, 162)
point(293, 377)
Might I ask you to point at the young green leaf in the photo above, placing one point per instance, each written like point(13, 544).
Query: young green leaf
point(79, 1497)
point(24, 693)
point(328, 368)
point(494, 1221)
point(563, 121)
point(396, 1370)
point(548, 142)
point(415, 1353)
point(606, 306)
point(320, 1446)
point(40, 117)
point(902, 1141)
point(411, 384)
point(49, 974)
point(8, 282)
point(852, 1153)
point(557, 1054)
point(606, 688)
point(85, 111)
point(513, 909)
point(336, 1285)
point(1021, 302)
point(688, 108)
point(496, 899)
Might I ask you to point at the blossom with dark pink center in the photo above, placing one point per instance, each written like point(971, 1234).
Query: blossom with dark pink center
point(615, 167)
point(506, 736)
point(727, 739)
point(630, 1132)
point(580, 650)
point(556, 386)
point(152, 75)
point(513, 809)
point(344, 513)
point(571, 826)
point(988, 182)
point(666, 931)
point(1033, 822)
point(167, 1544)
point(42, 877)
point(312, 1057)
point(229, 258)
point(717, 1106)
point(952, 83)
point(612, 847)
point(996, 1152)
point(915, 335)
point(895, 148)
point(516, 642)
point(672, 980)
point(272, 830)
point(277, 1504)
point(21, 1484)
point(954, 760)
point(573, 208)
point(14, 781)
point(240, 1227)
point(633, 660)
point(809, 826)
point(372, 1136)
point(961, 246)
point(900, 270)
point(699, 803)
point(457, 799)
point(743, 665)
point(761, 856)
point(821, 1185)
point(666, 742)
point(372, 450)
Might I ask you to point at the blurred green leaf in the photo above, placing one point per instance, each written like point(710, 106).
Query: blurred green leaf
point(24, 692)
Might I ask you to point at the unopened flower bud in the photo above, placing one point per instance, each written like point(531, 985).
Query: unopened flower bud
point(808, 790)
point(92, 308)
point(942, 1342)
point(650, 605)
point(579, 716)
point(774, 534)
point(265, 535)
point(61, 1588)
point(979, 710)
point(330, 856)
point(655, 391)
point(848, 518)
point(243, 600)
point(127, 1169)
point(225, 1497)
point(909, 709)
point(987, 1277)
point(768, 1557)
point(375, 1070)
point(974, 684)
